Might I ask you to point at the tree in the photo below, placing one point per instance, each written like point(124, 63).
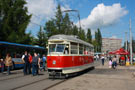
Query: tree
point(82, 34)
point(14, 21)
point(98, 40)
point(54, 26)
point(75, 30)
point(133, 45)
point(62, 25)
point(95, 42)
point(89, 37)
point(50, 28)
point(66, 26)
point(59, 19)
point(41, 38)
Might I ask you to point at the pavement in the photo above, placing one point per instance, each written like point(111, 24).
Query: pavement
point(17, 81)
point(102, 78)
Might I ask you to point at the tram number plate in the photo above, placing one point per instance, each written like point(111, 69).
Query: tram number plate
point(54, 62)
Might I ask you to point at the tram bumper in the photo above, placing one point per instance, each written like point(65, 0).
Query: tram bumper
point(54, 72)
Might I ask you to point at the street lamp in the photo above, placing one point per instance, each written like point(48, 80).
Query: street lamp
point(78, 15)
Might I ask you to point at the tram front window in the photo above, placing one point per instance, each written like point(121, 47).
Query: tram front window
point(52, 47)
point(60, 47)
point(56, 48)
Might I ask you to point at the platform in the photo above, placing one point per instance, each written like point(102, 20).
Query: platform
point(102, 78)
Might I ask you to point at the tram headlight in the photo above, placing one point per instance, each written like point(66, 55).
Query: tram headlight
point(54, 62)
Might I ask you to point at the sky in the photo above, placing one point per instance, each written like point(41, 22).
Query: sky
point(111, 16)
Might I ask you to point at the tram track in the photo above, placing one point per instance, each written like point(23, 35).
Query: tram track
point(11, 78)
point(55, 84)
point(34, 82)
point(29, 84)
point(38, 81)
point(19, 76)
point(49, 87)
point(5, 77)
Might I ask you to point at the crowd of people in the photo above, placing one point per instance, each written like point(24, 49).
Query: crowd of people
point(113, 60)
point(32, 64)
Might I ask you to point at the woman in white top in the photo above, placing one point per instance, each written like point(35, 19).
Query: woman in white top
point(114, 62)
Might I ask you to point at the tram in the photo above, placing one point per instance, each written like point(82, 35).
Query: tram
point(67, 55)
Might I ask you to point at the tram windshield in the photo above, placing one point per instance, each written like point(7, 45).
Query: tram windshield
point(56, 48)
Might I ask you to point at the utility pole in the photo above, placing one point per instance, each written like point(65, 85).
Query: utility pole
point(131, 56)
point(126, 41)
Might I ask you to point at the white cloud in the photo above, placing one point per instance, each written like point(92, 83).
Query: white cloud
point(102, 16)
point(41, 9)
point(65, 7)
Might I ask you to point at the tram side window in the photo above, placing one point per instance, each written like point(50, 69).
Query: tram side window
point(91, 51)
point(74, 49)
point(80, 49)
point(86, 50)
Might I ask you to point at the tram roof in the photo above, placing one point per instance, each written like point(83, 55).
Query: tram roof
point(68, 38)
point(20, 45)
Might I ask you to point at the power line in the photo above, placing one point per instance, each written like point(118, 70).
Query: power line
point(36, 17)
point(36, 24)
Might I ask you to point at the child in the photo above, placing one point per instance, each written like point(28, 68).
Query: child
point(110, 64)
point(2, 65)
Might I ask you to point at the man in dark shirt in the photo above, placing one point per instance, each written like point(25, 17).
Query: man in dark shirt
point(25, 59)
point(35, 62)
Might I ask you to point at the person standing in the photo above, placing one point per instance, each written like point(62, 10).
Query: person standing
point(30, 63)
point(8, 63)
point(44, 60)
point(25, 59)
point(110, 63)
point(2, 65)
point(35, 62)
point(114, 62)
point(97, 57)
point(102, 59)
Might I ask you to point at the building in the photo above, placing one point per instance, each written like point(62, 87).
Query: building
point(111, 44)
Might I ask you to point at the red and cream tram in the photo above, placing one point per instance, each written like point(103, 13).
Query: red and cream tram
point(68, 54)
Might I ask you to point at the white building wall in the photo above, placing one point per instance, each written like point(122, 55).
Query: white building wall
point(110, 44)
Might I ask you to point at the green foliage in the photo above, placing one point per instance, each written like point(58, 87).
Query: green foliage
point(41, 38)
point(75, 30)
point(14, 21)
point(89, 36)
point(59, 19)
point(61, 24)
point(51, 28)
point(66, 26)
point(98, 41)
point(94, 42)
point(133, 45)
point(82, 34)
